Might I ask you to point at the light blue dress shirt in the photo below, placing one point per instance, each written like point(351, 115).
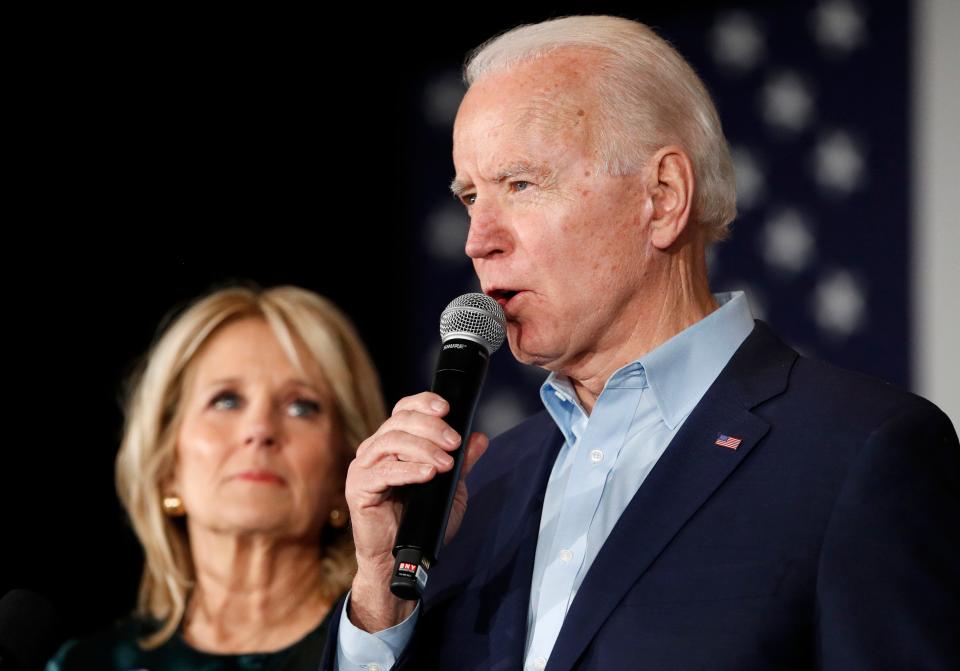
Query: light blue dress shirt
point(605, 458)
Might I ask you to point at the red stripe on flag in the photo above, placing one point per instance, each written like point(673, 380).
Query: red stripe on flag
point(728, 441)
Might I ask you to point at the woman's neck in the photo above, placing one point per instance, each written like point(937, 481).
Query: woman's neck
point(252, 593)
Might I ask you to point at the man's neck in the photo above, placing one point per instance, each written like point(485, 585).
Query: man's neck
point(678, 298)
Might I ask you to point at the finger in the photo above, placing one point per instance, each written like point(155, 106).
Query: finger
point(460, 496)
point(430, 427)
point(388, 474)
point(426, 402)
point(459, 509)
point(405, 447)
point(476, 447)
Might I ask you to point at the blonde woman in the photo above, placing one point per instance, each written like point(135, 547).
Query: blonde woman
point(239, 429)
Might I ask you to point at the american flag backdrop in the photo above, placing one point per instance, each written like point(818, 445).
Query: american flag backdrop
point(815, 102)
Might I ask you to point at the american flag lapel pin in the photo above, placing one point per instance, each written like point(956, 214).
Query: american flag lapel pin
point(730, 442)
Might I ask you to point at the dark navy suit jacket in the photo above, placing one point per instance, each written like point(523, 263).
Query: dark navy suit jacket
point(827, 539)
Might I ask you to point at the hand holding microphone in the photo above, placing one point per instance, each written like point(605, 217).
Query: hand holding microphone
point(416, 446)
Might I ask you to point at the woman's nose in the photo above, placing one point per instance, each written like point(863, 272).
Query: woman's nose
point(260, 437)
point(262, 429)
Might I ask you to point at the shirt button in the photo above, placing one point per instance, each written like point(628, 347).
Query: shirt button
point(540, 663)
point(566, 555)
point(596, 456)
point(373, 667)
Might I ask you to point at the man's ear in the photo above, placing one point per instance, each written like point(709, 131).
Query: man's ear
point(671, 193)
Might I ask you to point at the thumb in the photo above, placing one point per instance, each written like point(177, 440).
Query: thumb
point(476, 446)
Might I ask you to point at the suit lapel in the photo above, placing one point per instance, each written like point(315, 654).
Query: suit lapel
point(690, 470)
point(507, 592)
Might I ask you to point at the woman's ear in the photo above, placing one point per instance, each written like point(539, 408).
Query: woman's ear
point(170, 498)
point(339, 512)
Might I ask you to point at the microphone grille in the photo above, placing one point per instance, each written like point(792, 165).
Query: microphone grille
point(475, 317)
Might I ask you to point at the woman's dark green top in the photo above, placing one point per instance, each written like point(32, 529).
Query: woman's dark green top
point(117, 648)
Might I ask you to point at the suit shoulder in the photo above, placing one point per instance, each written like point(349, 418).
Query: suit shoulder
point(828, 393)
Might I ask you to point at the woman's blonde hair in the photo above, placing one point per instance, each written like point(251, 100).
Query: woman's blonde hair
point(153, 414)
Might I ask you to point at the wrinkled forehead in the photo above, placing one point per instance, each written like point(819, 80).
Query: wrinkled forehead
point(555, 93)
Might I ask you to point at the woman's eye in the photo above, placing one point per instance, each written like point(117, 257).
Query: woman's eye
point(303, 407)
point(225, 400)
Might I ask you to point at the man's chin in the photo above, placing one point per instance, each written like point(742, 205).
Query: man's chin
point(524, 348)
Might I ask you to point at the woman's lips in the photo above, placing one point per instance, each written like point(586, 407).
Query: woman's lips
point(260, 476)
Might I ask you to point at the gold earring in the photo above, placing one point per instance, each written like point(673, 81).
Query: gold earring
point(173, 506)
point(338, 519)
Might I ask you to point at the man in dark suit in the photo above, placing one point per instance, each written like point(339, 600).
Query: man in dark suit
point(695, 495)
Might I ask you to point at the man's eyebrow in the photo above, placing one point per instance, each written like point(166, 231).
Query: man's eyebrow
point(458, 187)
point(518, 168)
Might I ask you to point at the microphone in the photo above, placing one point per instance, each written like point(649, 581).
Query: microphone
point(28, 631)
point(472, 327)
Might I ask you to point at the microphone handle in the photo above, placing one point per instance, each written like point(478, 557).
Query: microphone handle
point(461, 368)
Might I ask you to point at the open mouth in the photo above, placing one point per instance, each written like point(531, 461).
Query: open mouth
point(503, 296)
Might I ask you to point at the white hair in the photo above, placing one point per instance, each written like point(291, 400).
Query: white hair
point(649, 97)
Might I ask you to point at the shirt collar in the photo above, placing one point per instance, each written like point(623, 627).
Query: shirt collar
point(678, 372)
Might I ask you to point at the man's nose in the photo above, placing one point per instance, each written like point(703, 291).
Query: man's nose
point(488, 235)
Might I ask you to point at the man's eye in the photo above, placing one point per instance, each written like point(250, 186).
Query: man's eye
point(468, 199)
point(225, 400)
point(519, 185)
point(304, 407)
